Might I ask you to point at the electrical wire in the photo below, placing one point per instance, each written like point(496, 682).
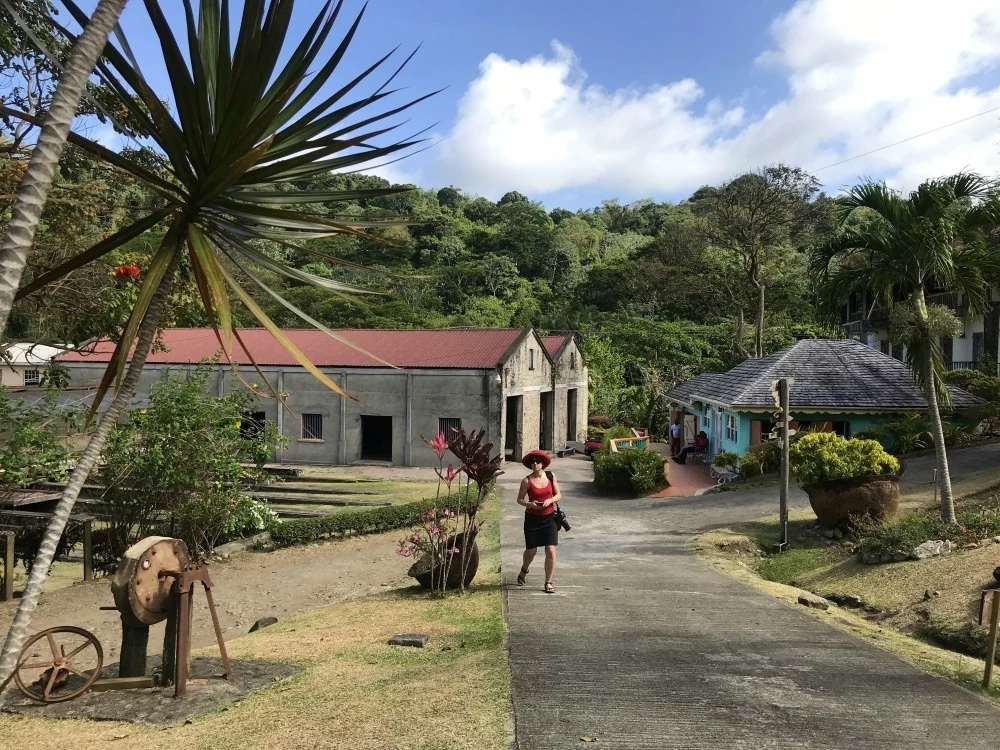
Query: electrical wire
point(912, 137)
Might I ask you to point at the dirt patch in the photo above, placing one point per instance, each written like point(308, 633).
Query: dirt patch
point(248, 586)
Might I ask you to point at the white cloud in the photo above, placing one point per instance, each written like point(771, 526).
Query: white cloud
point(860, 75)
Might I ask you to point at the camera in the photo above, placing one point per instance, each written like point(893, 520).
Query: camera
point(560, 519)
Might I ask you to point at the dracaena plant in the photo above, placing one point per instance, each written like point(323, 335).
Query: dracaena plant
point(479, 467)
point(253, 113)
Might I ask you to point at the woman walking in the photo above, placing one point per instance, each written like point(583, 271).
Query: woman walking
point(539, 494)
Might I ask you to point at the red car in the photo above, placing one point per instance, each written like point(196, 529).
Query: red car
point(593, 444)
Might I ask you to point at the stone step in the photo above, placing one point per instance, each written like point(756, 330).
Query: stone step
point(289, 498)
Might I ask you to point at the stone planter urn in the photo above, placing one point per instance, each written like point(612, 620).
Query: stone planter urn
point(837, 501)
point(421, 569)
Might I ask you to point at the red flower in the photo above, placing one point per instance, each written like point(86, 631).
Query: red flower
point(129, 270)
point(439, 445)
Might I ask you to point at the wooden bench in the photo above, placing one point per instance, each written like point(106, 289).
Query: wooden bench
point(10, 533)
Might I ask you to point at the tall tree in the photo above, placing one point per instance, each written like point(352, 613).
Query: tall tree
point(755, 216)
point(251, 117)
point(892, 246)
point(34, 189)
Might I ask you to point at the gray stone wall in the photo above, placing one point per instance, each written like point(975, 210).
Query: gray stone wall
point(527, 373)
point(413, 399)
point(570, 373)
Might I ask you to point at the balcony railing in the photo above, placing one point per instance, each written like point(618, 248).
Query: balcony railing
point(962, 365)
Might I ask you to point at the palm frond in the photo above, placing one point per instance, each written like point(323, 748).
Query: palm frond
point(250, 116)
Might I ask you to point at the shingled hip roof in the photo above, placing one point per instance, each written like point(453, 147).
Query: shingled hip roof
point(829, 374)
point(474, 349)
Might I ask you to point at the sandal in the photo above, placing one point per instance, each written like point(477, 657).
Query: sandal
point(521, 576)
point(549, 588)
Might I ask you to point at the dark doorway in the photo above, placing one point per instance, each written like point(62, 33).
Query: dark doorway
point(512, 429)
point(545, 421)
point(376, 438)
point(252, 425)
point(571, 414)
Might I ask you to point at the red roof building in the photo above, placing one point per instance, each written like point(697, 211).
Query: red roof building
point(403, 384)
point(463, 348)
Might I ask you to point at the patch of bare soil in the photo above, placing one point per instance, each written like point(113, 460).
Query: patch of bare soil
point(248, 586)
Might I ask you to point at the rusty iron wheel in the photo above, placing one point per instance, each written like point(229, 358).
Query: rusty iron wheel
point(55, 683)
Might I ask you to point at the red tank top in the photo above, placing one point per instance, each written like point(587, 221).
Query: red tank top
point(538, 494)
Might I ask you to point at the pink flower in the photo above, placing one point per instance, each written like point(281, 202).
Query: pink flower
point(439, 445)
point(448, 513)
point(449, 475)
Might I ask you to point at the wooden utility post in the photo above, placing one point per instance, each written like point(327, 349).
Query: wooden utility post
point(784, 433)
point(991, 650)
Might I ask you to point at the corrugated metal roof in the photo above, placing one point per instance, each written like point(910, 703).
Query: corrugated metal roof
point(553, 344)
point(833, 374)
point(475, 349)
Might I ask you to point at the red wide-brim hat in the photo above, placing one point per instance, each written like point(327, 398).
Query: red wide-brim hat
point(529, 457)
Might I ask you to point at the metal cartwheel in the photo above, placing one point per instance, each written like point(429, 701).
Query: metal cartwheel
point(155, 581)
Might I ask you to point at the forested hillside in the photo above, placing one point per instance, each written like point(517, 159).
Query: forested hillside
point(657, 290)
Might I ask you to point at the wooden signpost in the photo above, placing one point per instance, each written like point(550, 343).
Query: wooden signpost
point(782, 431)
point(993, 619)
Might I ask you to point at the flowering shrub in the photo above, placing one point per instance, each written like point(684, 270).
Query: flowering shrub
point(447, 522)
point(826, 456)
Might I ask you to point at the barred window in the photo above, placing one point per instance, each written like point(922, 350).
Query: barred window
point(572, 360)
point(32, 377)
point(449, 426)
point(312, 426)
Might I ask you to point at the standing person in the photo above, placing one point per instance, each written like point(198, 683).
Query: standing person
point(675, 436)
point(539, 494)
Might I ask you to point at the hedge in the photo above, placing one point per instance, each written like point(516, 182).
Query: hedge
point(630, 471)
point(367, 521)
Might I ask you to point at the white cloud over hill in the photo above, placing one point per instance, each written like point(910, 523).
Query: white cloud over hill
point(860, 74)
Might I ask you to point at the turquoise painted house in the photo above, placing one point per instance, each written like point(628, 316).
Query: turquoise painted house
point(839, 385)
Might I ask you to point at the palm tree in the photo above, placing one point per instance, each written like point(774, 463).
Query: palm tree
point(890, 246)
point(27, 210)
point(247, 124)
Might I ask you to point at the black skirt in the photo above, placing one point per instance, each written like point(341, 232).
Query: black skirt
point(540, 531)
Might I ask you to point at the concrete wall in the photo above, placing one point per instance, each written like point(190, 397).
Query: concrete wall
point(570, 374)
point(12, 376)
point(527, 372)
point(413, 399)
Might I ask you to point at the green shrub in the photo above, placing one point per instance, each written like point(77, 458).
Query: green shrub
point(367, 521)
point(826, 456)
point(977, 522)
point(630, 471)
point(967, 638)
point(762, 458)
point(614, 433)
point(727, 460)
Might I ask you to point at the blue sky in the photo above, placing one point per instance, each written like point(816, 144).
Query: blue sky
point(572, 102)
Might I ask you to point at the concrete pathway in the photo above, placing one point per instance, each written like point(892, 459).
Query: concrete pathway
point(643, 646)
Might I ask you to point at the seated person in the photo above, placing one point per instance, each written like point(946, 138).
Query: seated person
point(700, 445)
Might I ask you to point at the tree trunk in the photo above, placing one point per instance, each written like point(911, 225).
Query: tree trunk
point(758, 338)
point(944, 476)
point(34, 189)
point(46, 551)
